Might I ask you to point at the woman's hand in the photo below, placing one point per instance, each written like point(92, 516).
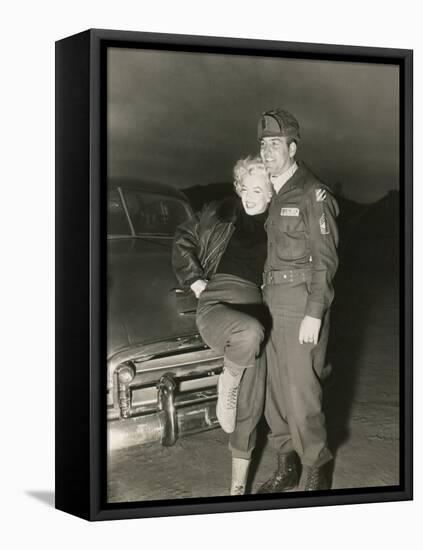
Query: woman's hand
point(198, 287)
point(309, 330)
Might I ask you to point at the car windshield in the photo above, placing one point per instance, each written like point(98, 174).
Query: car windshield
point(117, 220)
point(150, 214)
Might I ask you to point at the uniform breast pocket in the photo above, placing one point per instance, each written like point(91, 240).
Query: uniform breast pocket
point(294, 237)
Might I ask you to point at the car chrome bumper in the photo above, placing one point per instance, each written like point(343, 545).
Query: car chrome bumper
point(160, 397)
point(174, 417)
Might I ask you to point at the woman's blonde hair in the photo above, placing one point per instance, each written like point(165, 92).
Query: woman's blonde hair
point(246, 166)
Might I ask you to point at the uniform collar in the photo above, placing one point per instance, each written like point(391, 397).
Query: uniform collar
point(279, 181)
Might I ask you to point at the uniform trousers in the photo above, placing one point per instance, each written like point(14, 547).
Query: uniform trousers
point(228, 318)
point(293, 407)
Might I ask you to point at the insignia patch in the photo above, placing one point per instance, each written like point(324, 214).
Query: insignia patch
point(324, 228)
point(290, 212)
point(320, 195)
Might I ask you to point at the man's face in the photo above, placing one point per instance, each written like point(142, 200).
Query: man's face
point(255, 193)
point(276, 154)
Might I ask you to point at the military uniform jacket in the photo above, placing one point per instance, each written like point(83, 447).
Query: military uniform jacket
point(302, 234)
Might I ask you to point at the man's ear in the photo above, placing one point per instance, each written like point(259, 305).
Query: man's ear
point(292, 149)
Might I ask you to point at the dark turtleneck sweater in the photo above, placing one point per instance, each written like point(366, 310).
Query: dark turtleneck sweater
point(246, 250)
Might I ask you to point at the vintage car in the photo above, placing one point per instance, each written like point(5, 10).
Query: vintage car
point(161, 377)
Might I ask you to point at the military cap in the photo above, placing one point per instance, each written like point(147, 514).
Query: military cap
point(278, 123)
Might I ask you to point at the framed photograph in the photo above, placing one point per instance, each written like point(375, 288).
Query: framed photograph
point(219, 203)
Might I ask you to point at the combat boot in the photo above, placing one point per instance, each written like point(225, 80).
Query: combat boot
point(286, 475)
point(316, 478)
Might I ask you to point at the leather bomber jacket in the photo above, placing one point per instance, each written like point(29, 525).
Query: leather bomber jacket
point(200, 242)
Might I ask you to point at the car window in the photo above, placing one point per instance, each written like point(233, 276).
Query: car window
point(117, 222)
point(154, 214)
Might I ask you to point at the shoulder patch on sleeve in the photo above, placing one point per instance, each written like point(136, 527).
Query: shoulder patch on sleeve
point(324, 226)
point(320, 194)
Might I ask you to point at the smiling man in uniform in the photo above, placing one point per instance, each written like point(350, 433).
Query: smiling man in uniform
point(301, 262)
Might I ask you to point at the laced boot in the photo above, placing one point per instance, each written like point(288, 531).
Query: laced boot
point(286, 475)
point(227, 398)
point(316, 478)
point(240, 467)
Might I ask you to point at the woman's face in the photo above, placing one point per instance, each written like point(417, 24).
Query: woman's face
point(255, 193)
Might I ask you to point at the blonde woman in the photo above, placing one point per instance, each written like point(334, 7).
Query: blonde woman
point(220, 254)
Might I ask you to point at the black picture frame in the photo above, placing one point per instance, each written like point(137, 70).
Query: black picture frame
point(80, 274)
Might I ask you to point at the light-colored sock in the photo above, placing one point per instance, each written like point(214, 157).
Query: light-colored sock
point(240, 467)
point(236, 372)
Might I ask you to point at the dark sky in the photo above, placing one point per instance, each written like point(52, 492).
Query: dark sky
point(185, 118)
